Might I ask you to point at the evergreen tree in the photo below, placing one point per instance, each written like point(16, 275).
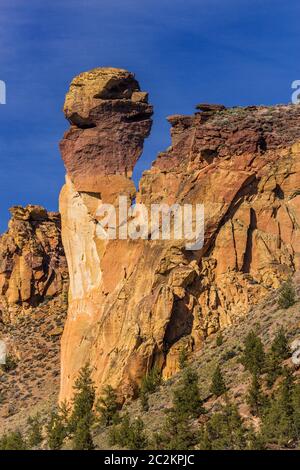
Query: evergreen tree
point(108, 407)
point(256, 400)
point(64, 413)
point(149, 384)
point(224, 431)
point(82, 416)
point(273, 368)
point(280, 347)
point(82, 439)
point(278, 423)
point(187, 401)
point(176, 433)
point(83, 398)
point(218, 386)
point(287, 295)
point(253, 358)
point(183, 358)
point(129, 434)
point(151, 381)
point(56, 431)
point(296, 414)
point(34, 432)
point(286, 393)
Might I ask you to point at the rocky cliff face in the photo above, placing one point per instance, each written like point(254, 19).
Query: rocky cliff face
point(135, 304)
point(32, 261)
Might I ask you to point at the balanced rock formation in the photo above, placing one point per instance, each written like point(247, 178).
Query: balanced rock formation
point(32, 261)
point(109, 118)
point(134, 304)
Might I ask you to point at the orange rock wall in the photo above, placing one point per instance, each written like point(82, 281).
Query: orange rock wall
point(135, 304)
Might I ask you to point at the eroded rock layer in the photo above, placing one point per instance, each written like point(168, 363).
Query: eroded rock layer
point(136, 303)
point(32, 261)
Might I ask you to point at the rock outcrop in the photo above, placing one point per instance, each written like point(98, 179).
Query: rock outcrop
point(32, 261)
point(134, 304)
point(109, 118)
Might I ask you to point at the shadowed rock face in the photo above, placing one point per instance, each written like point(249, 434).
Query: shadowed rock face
point(133, 304)
point(32, 261)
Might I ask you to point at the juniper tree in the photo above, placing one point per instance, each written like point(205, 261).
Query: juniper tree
point(83, 398)
point(273, 368)
point(34, 433)
point(82, 416)
point(107, 406)
point(280, 346)
point(278, 423)
point(279, 351)
point(82, 439)
point(129, 434)
point(224, 431)
point(56, 431)
point(176, 433)
point(255, 398)
point(253, 358)
point(13, 441)
point(187, 399)
point(218, 386)
point(287, 295)
point(296, 407)
point(183, 358)
point(149, 384)
point(151, 381)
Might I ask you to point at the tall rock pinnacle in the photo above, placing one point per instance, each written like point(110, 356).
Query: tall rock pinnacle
point(110, 118)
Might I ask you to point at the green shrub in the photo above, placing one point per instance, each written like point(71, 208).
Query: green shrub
point(13, 441)
point(229, 355)
point(34, 432)
point(219, 340)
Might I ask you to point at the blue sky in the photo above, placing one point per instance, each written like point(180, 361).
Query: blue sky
point(235, 52)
